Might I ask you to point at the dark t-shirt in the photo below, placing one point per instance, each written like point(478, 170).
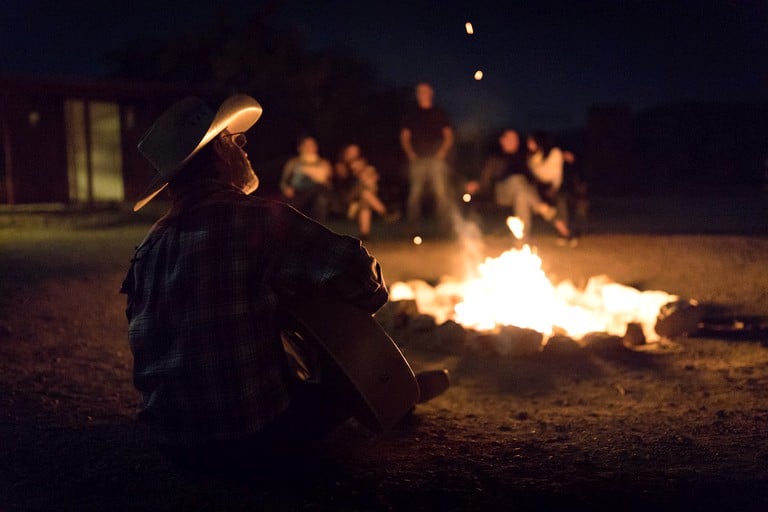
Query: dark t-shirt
point(508, 164)
point(426, 126)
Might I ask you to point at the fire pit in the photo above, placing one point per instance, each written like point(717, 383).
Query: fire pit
point(509, 297)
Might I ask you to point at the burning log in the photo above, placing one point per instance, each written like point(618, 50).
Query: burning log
point(740, 328)
point(508, 298)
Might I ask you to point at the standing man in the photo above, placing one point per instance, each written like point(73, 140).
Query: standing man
point(426, 138)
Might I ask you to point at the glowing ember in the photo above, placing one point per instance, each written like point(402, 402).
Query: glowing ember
point(466, 198)
point(516, 226)
point(513, 290)
point(469, 28)
point(478, 75)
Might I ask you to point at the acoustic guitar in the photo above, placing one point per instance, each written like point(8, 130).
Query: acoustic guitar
point(353, 347)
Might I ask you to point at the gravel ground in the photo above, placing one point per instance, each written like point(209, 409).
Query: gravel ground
point(683, 426)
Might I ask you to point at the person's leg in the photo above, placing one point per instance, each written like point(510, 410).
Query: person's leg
point(522, 210)
point(439, 180)
point(364, 221)
point(561, 202)
point(315, 410)
point(373, 201)
point(417, 176)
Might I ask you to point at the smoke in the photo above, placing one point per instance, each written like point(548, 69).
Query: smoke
point(470, 239)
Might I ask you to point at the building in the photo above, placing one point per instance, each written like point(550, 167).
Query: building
point(74, 142)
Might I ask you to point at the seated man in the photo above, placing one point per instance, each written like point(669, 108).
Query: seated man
point(205, 292)
point(506, 176)
point(307, 179)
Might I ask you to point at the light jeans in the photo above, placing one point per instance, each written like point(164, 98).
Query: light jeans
point(516, 191)
point(432, 172)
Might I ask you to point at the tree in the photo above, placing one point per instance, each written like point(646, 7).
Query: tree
point(331, 94)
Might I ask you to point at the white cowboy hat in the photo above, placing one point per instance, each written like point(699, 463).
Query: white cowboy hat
point(182, 130)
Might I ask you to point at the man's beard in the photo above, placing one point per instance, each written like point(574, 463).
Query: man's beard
point(249, 180)
point(242, 174)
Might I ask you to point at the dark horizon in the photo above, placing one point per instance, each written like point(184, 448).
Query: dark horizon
point(544, 65)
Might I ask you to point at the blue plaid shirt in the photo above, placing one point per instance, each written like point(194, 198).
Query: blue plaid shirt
point(203, 293)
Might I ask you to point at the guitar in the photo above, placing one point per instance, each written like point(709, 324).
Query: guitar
point(357, 352)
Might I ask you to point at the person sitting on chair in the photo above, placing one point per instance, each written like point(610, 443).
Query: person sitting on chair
point(506, 176)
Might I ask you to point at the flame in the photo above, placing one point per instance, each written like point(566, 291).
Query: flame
point(513, 290)
point(516, 226)
point(401, 291)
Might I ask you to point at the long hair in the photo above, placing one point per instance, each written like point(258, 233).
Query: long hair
point(543, 141)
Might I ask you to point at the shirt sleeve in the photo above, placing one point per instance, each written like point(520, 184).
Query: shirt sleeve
point(311, 260)
point(550, 169)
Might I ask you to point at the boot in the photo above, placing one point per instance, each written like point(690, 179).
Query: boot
point(432, 383)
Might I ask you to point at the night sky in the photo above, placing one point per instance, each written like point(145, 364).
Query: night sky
point(545, 62)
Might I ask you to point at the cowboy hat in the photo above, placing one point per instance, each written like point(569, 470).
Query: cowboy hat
point(182, 130)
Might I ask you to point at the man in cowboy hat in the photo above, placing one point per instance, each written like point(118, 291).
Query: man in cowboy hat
point(205, 287)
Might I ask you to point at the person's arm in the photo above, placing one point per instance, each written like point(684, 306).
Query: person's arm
point(447, 144)
point(311, 260)
point(342, 170)
point(484, 184)
point(285, 179)
point(327, 172)
point(406, 143)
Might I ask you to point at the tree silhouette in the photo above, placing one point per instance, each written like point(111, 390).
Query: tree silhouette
point(332, 94)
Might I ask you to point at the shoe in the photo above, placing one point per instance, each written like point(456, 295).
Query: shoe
point(432, 383)
point(567, 241)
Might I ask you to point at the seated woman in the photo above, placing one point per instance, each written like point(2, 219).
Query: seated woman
point(546, 163)
point(506, 176)
point(360, 190)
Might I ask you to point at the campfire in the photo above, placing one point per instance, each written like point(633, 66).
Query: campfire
point(512, 290)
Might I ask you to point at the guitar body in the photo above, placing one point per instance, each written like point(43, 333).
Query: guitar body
point(360, 354)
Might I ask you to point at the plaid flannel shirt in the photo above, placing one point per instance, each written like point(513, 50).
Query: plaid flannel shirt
point(203, 295)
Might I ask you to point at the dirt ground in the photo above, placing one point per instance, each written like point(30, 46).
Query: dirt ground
point(681, 427)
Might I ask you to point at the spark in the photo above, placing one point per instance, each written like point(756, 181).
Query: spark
point(478, 75)
point(468, 27)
